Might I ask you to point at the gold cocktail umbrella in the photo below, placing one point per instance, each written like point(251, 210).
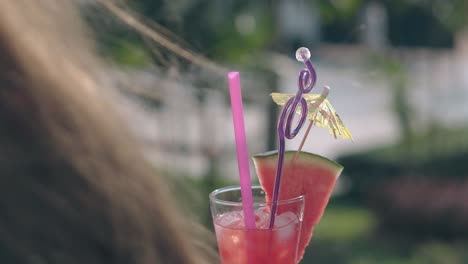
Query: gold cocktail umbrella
point(319, 111)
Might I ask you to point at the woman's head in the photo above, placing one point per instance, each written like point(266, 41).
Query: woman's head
point(73, 187)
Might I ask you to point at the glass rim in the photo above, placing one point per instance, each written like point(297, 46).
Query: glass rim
point(219, 201)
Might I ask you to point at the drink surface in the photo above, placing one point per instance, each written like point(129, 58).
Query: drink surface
point(237, 245)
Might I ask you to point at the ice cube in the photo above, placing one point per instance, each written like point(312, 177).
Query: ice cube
point(286, 224)
point(284, 219)
point(262, 217)
point(231, 220)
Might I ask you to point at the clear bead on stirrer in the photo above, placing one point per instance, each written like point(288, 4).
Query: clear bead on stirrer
point(302, 54)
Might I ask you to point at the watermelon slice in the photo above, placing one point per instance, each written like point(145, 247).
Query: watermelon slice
point(310, 175)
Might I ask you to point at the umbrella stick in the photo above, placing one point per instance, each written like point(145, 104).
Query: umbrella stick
point(303, 140)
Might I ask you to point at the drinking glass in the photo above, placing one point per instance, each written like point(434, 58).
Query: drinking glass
point(240, 245)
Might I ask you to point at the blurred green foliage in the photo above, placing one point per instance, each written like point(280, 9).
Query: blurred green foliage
point(396, 73)
point(437, 153)
point(130, 54)
point(115, 41)
point(340, 223)
point(211, 27)
point(387, 252)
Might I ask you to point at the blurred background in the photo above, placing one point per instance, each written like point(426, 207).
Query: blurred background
point(398, 72)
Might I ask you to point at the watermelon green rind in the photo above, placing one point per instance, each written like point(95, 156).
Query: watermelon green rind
point(272, 156)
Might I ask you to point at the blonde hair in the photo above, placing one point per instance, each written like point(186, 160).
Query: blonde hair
point(73, 186)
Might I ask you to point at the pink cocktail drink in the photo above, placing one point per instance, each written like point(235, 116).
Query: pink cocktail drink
point(240, 245)
point(277, 245)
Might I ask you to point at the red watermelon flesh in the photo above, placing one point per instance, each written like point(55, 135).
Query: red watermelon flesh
point(310, 175)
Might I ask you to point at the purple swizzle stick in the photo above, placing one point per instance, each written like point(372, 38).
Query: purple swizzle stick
point(306, 81)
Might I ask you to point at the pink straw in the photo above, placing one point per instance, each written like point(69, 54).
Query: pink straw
point(241, 147)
